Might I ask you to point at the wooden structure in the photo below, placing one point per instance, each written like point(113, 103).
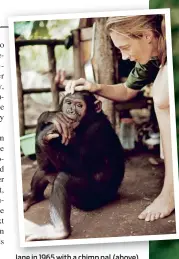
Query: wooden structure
point(79, 37)
point(105, 66)
point(104, 59)
point(52, 69)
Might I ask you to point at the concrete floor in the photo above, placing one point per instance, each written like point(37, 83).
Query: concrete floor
point(142, 183)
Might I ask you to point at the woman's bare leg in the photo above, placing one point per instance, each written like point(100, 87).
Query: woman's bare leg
point(163, 205)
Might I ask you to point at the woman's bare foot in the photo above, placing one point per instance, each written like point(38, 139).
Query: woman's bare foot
point(161, 207)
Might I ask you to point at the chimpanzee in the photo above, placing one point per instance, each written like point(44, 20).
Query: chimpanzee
point(86, 172)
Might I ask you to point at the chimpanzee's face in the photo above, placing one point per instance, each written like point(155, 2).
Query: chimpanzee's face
point(74, 107)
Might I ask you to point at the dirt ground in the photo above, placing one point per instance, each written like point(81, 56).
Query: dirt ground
point(142, 183)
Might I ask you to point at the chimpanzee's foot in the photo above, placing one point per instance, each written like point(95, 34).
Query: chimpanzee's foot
point(161, 207)
point(34, 232)
point(29, 200)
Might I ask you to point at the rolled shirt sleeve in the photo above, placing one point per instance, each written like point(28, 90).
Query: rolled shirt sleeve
point(142, 75)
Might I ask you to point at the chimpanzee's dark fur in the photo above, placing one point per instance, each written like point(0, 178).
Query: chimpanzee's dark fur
point(89, 170)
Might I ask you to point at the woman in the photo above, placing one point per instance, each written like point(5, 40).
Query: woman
point(142, 39)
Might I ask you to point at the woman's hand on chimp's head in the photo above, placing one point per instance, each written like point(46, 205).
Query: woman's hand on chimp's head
point(81, 85)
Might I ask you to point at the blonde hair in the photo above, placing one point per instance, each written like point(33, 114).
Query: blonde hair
point(135, 26)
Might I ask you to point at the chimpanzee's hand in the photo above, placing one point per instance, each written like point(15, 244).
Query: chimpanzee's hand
point(63, 126)
point(80, 85)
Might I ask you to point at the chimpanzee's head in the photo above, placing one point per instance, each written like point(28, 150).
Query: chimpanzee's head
point(76, 106)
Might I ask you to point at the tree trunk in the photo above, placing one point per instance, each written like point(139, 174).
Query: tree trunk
point(104, 64)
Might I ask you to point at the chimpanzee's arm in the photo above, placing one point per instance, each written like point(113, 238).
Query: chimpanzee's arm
point(44, 127)
point(62, 125)
point(101, 141)
point(45, 119)
point(99, 134)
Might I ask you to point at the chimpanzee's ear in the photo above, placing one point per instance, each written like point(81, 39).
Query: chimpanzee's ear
point(98, 106)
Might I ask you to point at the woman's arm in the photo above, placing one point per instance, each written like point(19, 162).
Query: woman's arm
point(118, 92)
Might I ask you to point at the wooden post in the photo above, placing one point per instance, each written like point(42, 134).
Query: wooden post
point(105, 64)
point(52, 69)
point(76, 54)
point(20, 95)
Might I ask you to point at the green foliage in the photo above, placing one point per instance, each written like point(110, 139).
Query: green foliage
point(154, 4)
point(176, 83)
point(53, 29)
point(60, 29)
point(23, 29)
point(35, 57)
point(167, 249)
point(64, 58)
point(40, 30)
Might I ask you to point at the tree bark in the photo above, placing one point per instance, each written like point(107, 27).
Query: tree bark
point(104, 65)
